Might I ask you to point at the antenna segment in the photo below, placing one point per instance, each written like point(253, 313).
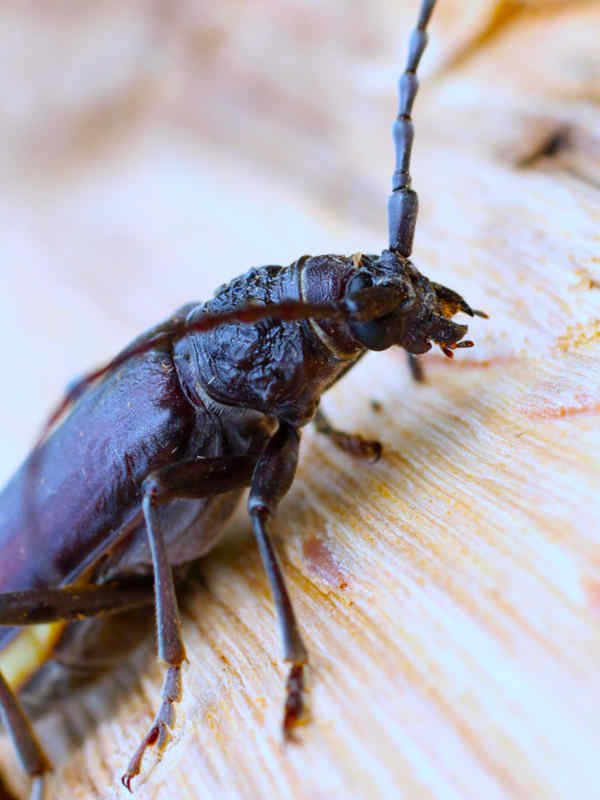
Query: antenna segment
point(403, 203)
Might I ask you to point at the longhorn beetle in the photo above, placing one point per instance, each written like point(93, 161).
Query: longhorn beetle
point(172, 430)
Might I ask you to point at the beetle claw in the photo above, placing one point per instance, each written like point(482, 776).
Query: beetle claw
point(156, 732)
point(159, 732)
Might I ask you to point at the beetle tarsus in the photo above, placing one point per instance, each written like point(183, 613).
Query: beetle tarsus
point(159, 732)
point(352, 443)
point(295, 711)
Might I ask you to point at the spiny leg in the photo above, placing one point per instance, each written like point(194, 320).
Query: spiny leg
point(196, 478)
point(273, 476)
point(352, 443)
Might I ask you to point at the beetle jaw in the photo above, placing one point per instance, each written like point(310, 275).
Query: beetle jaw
point(389, 302)
point(432, 323)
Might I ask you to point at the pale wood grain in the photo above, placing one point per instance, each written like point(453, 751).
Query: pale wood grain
point(449, 594)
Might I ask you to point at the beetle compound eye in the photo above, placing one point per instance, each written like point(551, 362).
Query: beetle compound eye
point(379, 333)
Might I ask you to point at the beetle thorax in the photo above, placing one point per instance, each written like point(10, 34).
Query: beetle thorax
point(277, 367)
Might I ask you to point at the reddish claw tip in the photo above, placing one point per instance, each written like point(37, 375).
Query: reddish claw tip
point(126, 781)
point(153, 736)
point(481, 314)
point(447, 351)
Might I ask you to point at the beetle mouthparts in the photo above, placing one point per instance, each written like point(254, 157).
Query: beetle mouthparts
point(448, 349)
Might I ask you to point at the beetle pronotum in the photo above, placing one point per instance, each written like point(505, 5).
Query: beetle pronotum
point(172, 430)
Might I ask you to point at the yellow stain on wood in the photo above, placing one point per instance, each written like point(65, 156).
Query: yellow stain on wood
point(28, 651)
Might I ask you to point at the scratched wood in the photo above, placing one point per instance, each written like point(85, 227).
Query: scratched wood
point(449, 594)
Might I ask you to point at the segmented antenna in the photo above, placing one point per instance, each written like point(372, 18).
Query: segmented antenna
point(403, 203)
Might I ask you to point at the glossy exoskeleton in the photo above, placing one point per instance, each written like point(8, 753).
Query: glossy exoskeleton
point(138, 479)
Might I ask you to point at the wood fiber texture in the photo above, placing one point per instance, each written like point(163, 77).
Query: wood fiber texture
point(450, 593)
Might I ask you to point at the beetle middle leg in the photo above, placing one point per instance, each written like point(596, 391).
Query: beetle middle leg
point(352, 443)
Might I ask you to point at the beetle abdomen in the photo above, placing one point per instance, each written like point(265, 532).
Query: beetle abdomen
point(69, 502)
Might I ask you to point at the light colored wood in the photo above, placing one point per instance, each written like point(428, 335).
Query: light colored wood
point(449, 594)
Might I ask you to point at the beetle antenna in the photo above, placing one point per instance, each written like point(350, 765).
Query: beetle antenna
point(403, 203)
point(177, 328)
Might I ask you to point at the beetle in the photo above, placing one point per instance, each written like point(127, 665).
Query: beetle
point(171, 432)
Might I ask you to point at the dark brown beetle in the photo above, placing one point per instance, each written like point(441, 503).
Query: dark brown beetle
point(170, 433)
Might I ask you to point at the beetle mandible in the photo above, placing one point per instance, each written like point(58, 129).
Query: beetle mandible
point(197, 409)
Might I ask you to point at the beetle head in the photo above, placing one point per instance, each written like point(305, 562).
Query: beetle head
point(389, 302)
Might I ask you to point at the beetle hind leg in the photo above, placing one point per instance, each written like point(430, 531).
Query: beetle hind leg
point(31, 754)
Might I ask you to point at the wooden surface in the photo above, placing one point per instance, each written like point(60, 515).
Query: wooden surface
point(449, 594)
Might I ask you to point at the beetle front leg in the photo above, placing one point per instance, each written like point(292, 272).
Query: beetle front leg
point(416, 368)
point(273, 476)
point(352, 443)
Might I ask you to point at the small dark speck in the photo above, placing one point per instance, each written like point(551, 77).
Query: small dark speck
point(548, 146)
point(376, 406)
